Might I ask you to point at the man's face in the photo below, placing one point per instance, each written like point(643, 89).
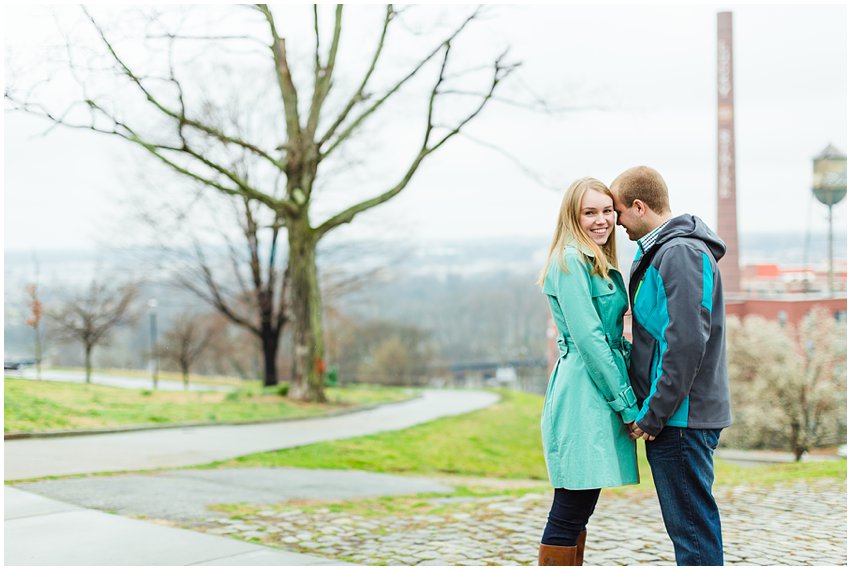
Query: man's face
point(629, 218)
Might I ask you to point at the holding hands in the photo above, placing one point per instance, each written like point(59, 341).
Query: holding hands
point(635, 432)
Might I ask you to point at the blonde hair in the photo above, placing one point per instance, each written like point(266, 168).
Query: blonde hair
point(568, 229)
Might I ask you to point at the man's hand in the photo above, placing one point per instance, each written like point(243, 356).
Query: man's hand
point(635, 432)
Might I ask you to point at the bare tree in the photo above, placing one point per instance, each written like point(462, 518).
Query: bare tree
point(185, 131)
point(90, 317)
point(185, 342)
point(252, 292)
point(34, 321)
point(788, 385)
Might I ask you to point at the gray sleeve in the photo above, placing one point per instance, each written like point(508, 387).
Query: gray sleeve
point(687, 278)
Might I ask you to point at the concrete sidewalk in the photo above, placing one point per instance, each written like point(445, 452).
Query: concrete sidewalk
point(44, 532)
point(187, 495)
point(753, 457)
point(116, 380)
point(180, 447)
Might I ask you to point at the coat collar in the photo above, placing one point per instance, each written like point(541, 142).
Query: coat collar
point(581, 247)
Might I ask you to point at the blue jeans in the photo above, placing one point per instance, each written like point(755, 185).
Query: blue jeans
point(681, 460)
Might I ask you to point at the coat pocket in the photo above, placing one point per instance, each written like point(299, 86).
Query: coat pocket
point(601, 288)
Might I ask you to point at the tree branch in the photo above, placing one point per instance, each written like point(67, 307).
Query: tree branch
point(500, 71)
point(212, 294)
point(289, 94)
point(535, 177)
point(359, 94)
point(366, 114)
point(322, 83)
point(181, 117)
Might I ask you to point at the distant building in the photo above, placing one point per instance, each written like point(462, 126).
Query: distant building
point(788, 308)
point(771, 291)
point(771, 278)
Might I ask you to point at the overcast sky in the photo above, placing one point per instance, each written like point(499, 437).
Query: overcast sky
point(642, 77)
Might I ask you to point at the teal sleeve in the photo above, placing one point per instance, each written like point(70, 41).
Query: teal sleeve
point(573, 290)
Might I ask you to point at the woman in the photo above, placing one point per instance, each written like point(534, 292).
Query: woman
point(589, 399)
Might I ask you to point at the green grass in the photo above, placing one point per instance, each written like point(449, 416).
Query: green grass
point(731, 474)
point(33, 406)
point(502, 441)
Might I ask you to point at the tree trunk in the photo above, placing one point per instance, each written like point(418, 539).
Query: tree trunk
point(306, 304)
point(270, 342)
point(185, 370)
point(798, 448)
point(89, 364)
point(38, 353)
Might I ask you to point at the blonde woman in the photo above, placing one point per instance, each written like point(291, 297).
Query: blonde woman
point(589, 400)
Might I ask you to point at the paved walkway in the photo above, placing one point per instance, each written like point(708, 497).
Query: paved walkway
point(79, 536)
point(185, 495)
point(43, 532)
point(802, 523)
point(115, 380)
point(754, 457)
point(180, 447)
point(798, 523)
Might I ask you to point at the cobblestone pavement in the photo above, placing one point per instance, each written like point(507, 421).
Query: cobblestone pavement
point(798, 523)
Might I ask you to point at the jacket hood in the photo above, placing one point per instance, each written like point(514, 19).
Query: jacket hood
point(690, 226)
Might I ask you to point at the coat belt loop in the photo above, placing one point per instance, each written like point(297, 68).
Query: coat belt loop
point(562, 346)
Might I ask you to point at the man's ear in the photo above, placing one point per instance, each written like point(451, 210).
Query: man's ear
point(640, 207)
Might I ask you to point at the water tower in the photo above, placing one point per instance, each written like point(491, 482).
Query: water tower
point(830, 172)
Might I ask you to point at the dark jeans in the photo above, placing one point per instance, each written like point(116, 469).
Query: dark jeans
point(569, 515)
point(681, 460)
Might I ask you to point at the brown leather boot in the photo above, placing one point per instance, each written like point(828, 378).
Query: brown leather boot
point(580, 548)
point(549, 555)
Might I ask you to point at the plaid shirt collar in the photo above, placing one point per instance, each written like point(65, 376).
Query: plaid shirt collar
point(647, 241)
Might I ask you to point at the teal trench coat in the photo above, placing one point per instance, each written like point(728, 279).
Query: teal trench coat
point(589, 398)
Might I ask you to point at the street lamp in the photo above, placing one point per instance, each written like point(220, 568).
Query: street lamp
point(155, 363)
point(830, 172)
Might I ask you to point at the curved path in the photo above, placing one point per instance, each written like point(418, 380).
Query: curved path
point(180, 447)
point(117, 380)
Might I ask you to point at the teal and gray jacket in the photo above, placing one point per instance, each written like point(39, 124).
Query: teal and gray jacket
point(678, 365)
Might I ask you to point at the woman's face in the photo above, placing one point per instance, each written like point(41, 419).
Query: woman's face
point(597, 216)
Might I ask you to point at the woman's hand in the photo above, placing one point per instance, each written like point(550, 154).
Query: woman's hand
point(636, 432)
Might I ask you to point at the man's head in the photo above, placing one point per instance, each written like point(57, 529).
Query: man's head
point(641, 201)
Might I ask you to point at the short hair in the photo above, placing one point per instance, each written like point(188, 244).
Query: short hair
point(645, 184)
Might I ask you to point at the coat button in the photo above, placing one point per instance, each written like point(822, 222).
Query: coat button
point(611, 286)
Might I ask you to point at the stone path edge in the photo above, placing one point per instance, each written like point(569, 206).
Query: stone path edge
point(99, 431)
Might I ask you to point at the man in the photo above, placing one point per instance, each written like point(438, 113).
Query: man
point(678, 365)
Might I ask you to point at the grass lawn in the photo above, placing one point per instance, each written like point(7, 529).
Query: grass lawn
point(32, 406)
point(502, 441)
point(491, 452)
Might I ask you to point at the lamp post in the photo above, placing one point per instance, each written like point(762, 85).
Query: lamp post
point(155, 363)
point(830, 172)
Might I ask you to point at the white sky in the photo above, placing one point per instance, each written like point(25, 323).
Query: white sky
point(651, 67)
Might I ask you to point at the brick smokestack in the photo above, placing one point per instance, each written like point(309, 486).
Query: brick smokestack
point(727, 218)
